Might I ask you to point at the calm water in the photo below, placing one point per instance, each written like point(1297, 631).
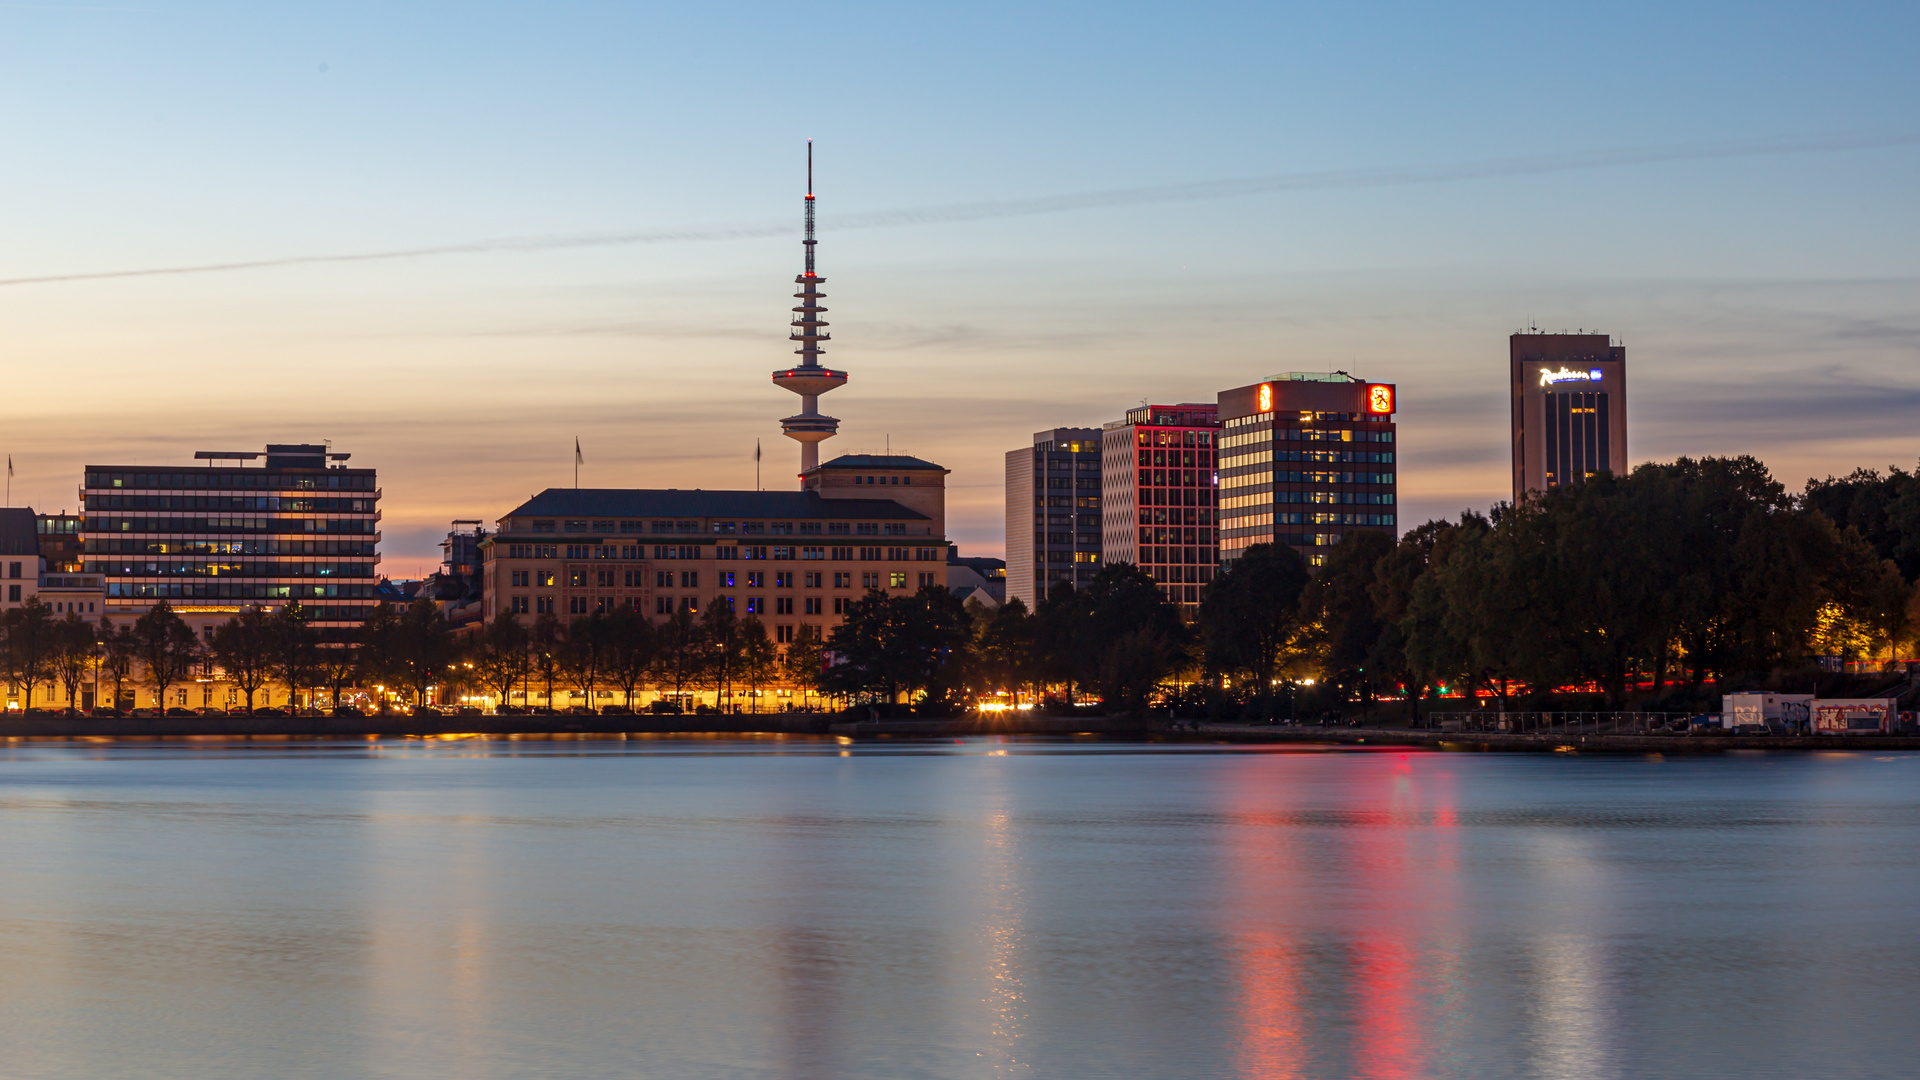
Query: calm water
point(483, 909)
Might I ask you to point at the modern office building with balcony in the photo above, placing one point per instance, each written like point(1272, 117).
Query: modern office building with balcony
point(1305, 458)
point(1158, 495)
point(213, 539)
point(1053, 513)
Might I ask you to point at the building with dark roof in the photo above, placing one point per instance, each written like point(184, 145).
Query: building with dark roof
point(213, 539)
point(793, 559)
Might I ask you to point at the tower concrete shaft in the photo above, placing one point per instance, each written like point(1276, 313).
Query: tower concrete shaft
point(809, 378)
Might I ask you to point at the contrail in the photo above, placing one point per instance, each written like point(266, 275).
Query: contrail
point(1329, 180)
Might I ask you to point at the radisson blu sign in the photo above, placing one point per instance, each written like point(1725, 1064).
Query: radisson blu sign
point(1549, 377)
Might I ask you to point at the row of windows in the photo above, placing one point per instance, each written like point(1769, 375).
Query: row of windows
point(232, 524)
point(1176, 536)
point(1177, 496)
point(306, 504)
point(1262, 455)
point(521, 604)
point(1286, 476)
point(1145, 437)
point(237, 479)
point(234, 590)
point(1331, 498)
point(1290, 434)
point(690, 579)
point(1175, 516)
point(125, 545)
point(1176, 478)
point(725, 528)
point(227, 569)
point(726, 552)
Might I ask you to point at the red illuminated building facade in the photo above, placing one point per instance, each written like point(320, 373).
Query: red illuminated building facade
point(1158, 495)
point(1304, 459)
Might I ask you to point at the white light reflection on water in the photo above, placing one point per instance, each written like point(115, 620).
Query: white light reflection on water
point(1003, 904)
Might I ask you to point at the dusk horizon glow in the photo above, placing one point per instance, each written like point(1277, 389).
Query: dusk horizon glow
point(1286, 190)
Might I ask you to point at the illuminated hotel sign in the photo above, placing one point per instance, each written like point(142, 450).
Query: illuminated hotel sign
point(1548, 376)
point(1266, 398)
point(1380, 399)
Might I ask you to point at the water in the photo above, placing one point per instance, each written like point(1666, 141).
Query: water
point(662, 908)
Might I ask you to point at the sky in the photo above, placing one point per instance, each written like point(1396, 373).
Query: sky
point(1728, 189)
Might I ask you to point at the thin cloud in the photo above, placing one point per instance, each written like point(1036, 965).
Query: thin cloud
point(1326, 180)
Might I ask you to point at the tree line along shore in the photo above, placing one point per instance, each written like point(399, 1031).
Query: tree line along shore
point(1656, 590)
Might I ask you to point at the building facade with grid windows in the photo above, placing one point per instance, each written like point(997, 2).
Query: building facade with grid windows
point(1158, 488)
point(792, 559)
point(214, 539)
point(1053, 493)
point(1304, 459)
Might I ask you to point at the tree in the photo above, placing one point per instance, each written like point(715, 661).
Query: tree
point(1250, 614)
point(720, 666)
point(1133, 637)
point(500, 656)
point(582, 652)
point(75, 653)
point(804, 660)
point(425, 651)
point(1005, 648)
point(166, 646)
point(294, 643)
point(682, 652)
point(339, 668)
point(30, 646)
point(119, 650)
point(1339, 605)
point(379, 656)
point(759, 659)
point(631, 647)
point(887, 645)
point(543, 646)
point(244, 648)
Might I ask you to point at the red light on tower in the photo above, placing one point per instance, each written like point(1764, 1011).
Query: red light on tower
point(1380, 399)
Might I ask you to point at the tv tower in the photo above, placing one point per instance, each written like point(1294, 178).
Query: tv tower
point(807, 378)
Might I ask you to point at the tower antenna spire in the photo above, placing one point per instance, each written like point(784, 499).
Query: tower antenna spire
point(809, 378)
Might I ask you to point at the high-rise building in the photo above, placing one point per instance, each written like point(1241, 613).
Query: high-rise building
point(1053, 512)
point(1158, 495)
point(1305, 458)
point(1569, 409)
point(212, 540)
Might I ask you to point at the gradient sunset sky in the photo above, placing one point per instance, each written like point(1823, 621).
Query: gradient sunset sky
point(1764, 275)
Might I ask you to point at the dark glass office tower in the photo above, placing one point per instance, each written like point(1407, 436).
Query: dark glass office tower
point(1569, 401)
point(213, 539)
point(1306, 458)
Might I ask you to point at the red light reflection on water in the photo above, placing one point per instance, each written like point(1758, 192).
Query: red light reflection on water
point(1266, 957)
point(1385, 887)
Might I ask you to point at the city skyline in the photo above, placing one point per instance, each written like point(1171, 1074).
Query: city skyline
point(1767, 294)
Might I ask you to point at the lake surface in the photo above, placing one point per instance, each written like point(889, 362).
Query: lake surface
point(794, 908)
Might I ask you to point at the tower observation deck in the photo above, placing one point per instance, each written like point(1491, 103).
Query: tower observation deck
point(809, 378)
